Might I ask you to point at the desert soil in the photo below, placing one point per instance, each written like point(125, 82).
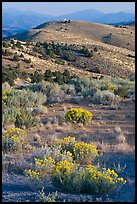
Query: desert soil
point(15, 186)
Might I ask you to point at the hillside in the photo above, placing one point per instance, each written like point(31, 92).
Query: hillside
point(63, 32)
point(114, 54)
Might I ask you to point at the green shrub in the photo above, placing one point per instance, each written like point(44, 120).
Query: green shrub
point(6, 86)
point(122, 91)
point(68, 89)
point(37, 77)
point(89, 179)
point(27, 60)
point(12, 140)
point(19, 45)
point(86, 52)
point(95, 49)
point(9, 115)
point(25, 119)
point(16, 58)
point(51, 197)
point(21, 55)
point(6, 52)
point(25, 98)
point(9, 75)
point(105, 97)
point(78, 115)
point(5, 44)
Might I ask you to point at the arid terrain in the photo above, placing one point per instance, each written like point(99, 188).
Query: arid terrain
point(99, 58)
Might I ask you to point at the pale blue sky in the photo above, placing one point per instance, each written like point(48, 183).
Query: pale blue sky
point(60, 8)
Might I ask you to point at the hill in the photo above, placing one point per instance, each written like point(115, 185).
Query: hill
point(114, 47)
point(82, 30)
point(116, 18)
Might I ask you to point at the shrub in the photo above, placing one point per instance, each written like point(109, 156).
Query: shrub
point(101, 181)
point(6, 86)
point(53, 151)
point(123, 91)
point(5, 95)
point(52, 91)
point(84, 152)
point(27, 60)
point(78, 115)
point(109, 86)
point(68, 89)
point(42, 168)
point(67, 143)
point(5, 44)
point(6, 52)
point(69, 176)
point(48, 74)
point(12, 139)
point(95, 49)
point(21, 55)
point(43, 161)
point(37, 77)
point(132, 78)
point(25, 119)
point(61, 173)
point(16, 58)
point(86, 52)
point(15, 105)
point(9, 75)
point(51, 197)
point(25, 98)
point(89, 179)
point(105, 97)
point(9, 115)
point(19, 45)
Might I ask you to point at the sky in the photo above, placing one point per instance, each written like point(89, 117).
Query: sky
point(61, 8)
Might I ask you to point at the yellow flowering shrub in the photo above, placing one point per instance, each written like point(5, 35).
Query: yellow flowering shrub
point(101, 182)
point(45, 166)
point(109, 86)
point(61, 176)
point(78, 115)
point(81, 152)
point(5, 95)
point(70, 174)
point(35, 175)
point(89, 179)
point(42, 168)
point(67, 143)
point(63, 167)
point(84, 152)
point(12, 139)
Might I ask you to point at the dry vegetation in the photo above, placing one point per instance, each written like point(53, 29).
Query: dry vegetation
point(38, 109)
